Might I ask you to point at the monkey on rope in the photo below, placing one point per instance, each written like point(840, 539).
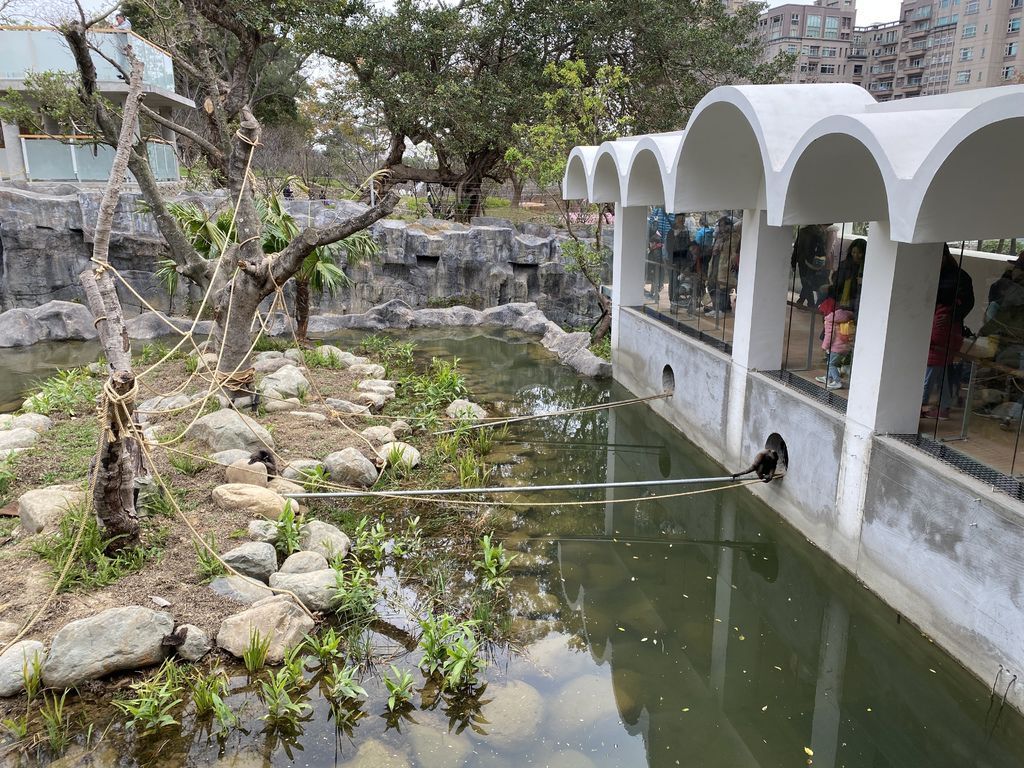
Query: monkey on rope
point(266, 458)
point(764, 465)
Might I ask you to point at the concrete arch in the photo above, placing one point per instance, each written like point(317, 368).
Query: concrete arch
point(575, 181)
point(644, 179)
point(610, 167)
point(969, 186)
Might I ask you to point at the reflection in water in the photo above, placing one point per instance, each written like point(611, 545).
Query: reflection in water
point(23, 366)
point(696, 631)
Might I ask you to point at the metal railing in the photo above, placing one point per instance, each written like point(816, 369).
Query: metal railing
point(81, 158)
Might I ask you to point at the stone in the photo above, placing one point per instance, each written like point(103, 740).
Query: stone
point(19, 437)
point(196, 643)
point(52, 321)
point(43, 508)
point(303, 562)
point(295, 355)
point(566, 758)
point(111, 641)
point(399, 452)
point(372, 400)
point(437, 747)
point(239, 590)
point(584, 701)
point(160, 602)
point(368, 370)
point(345, 406)
point(316, 418)
point(316, 589)
point(329, 541)
point(263, 530)
point(293, 469)
point(15, 662)
point(227, 428)
point(284, 487)
point(514, 714)
point(400, 429)
point(235, 497)
point(281, 621)
point(8, 629)
point(378, 435)
point(229, 457)
point(256, 559)
point(384, 387)
point(37, 422)
point(272, 365)
point(285, 382)
point(156, 407)
point(244, 473)
point(278, 406)
point(270, 354)
point(376, 754)
point(465, 410)
point(350, 467)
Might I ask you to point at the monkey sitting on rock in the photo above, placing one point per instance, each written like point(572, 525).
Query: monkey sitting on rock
point(266, 458)
point(764, 466)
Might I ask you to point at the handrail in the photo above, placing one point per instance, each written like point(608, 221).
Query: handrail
point(90, 137)
point(102, 30)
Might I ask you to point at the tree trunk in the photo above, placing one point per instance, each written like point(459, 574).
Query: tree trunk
point(604, 323)
point(235, 306)
point(301, 309)
point(517, 190)
point(1013, 246)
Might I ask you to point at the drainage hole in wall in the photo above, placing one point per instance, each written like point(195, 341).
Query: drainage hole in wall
point(668, 379)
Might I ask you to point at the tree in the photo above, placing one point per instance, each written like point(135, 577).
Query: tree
point(244, 275)
point(458, 77)
point(578, 109)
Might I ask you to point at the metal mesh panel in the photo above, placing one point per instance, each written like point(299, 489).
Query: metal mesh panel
point(826, 397)
point(688, 330)
point(965, 464)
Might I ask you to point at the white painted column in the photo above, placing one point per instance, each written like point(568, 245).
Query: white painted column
point(760, 320)
point(760, 323)
point(894, 325)
point(628, 250)
point(828, 692)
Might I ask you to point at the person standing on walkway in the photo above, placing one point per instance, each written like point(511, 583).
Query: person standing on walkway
point(809, 259)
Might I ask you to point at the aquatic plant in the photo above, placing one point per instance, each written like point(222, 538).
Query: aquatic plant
point(450, 651)
point(399, 688)
point(68, 392)
point(447, 447)
point(56, 722)
point(325, 646)
point(150, 708)
point(292, 666)
point(409, 542)
point(493, 565)
point(342, 684)
point(471, 470)
point(355, 594)
point(255, 654)
point(283, 711)
point(208, 692)
point(369, 543)
point(288, 533)
point(314, 479)
point(395, 356)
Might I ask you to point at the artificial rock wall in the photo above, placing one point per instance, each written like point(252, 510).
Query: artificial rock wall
point(46, 235)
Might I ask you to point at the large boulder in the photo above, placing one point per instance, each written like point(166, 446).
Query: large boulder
point(293, 470)
point(278, 619)
point(369, 370)
point(19, 437)
point(43, 508)
point(235, 497)
point(113, 640)
point(514, 714)
point(240, 590)
point(285, 382)
point(52, 321)
point(255, 559)
point(226, 429)
point(37, 422)
point(244, 473)
point(349, 467)
point(378, 435)
point(303, 562)
point(328, 540)
point(230, 456)
point(263, 530)
point(15, 662)
point(316, 589)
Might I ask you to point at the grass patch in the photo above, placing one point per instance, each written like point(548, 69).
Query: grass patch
point(271, 344)
point(92, 567)
point(603, 348)
point(64, 453)
point(68, 392)
point(395, 356)
point(8, 476)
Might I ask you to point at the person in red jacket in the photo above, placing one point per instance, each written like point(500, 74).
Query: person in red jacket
point(946, 340)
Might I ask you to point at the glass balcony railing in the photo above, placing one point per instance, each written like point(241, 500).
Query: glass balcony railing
point(77, 158)
point(32, 49)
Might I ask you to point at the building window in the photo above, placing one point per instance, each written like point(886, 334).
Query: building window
point(815, 50)
point(1011, 49)
point(970, 30)
point(832, 27)
point(1008, 73)
point(972, 8)
point(795, 18)
point(828, 52)
point(858, 69)
point(813, 25)
point(830, 69)
point(966, 54)
point(1016, 3)
point(943, 20)
point(790, 49)
point(963, 77)
point(1013, 25)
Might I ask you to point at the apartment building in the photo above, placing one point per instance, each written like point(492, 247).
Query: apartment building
point(936, 46)
point(818, 35)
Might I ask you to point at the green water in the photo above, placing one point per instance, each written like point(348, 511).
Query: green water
point(696, 631)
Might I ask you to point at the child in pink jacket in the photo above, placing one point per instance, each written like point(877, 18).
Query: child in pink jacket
point(837, 341)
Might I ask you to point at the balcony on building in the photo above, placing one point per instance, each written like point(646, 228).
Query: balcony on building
point(53, 155)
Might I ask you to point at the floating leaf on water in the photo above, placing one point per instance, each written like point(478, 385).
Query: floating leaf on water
point(686, 709)
point(809, 751)
point(764, 708)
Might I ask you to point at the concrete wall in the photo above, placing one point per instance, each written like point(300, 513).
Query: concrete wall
point(945, 550)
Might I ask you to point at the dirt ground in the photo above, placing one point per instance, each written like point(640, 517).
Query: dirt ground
point(172, 575)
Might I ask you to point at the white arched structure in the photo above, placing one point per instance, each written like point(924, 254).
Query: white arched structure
point(922, 171)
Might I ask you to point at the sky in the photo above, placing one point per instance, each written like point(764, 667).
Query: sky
point(868, 11)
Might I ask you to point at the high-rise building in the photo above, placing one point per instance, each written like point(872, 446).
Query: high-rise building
point(936, 46)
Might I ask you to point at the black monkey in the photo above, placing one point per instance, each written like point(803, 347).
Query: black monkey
point(266, 458)
point(764, 465)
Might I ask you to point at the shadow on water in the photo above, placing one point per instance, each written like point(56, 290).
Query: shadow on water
point(697, 630)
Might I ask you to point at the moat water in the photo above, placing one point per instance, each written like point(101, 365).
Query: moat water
point(695, 631)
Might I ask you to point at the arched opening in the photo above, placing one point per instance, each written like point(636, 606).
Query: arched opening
point(606, 180)
point(574, 186)
point(645, 185)
point(777, 444)
point(668, 379)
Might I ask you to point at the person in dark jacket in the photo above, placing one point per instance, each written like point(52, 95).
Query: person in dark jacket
point(954, 299)
point(809, 261)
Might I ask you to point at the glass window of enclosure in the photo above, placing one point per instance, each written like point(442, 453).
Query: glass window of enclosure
point(973, 388)
point(690, 271)
point(823, 301)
